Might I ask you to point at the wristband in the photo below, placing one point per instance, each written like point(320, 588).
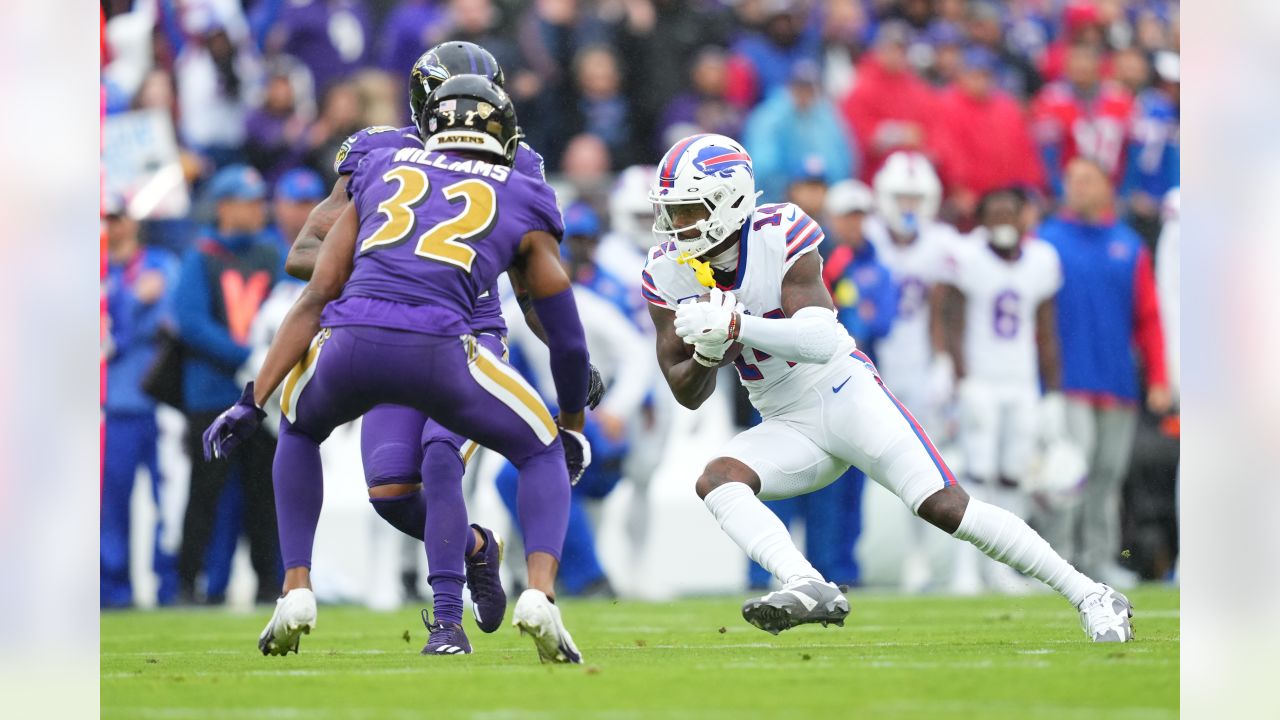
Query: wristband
point(703, 360)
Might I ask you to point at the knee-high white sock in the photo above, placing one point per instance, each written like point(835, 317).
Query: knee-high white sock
point(1005, 537)
point(758, 531)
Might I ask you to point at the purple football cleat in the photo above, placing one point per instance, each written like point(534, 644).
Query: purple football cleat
point(488, 599)
point(446, 638)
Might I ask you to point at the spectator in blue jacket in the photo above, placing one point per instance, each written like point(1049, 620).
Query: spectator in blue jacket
point(137, 279)
point(795, 122)
point(1107, 309)
point(224, 280)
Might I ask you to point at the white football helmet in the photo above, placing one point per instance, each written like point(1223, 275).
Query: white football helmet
point(908, 192)
point(710, 171)
point(630, 212)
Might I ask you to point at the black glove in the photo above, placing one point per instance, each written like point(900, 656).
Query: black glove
point(595, 388)
point(577, 453)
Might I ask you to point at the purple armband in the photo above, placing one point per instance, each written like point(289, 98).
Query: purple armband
point(568, 345)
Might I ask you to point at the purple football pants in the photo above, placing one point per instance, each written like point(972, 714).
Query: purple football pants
point(400, 445)
point(460, 384)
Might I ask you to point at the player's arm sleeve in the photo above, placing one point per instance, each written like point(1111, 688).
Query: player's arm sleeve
point(199, 330)
point(1148, 334)
point(633, 363)
point(811, 334)
point(567, 344)
point(553, 302)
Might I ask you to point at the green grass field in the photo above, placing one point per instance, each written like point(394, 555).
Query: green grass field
point(897, 657)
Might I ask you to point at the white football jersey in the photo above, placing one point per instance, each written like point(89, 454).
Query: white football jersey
point(773, 239)
point(904, 355)
point(1001, 297)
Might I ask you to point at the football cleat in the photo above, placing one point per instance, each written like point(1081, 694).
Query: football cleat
point(801, 601)
point(539, 618)
point(1105, 615)
point(488, 599)
point(445, 638)
point(295, 616)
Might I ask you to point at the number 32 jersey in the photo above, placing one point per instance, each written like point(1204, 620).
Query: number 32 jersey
point(488, 315)
point(1001, 298)
point(436, 230)
point(772, 240)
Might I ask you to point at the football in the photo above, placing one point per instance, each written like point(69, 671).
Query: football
point(730, 355)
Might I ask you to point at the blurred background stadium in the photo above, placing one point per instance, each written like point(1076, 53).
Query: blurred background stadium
point(994, 94)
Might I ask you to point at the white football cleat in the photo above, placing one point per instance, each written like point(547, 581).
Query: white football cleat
point(295, 615)
point(538, 617)
point(802, 600)
point(1104, 615)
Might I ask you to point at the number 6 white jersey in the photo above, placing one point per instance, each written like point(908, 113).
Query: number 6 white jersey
point(772, 240)
point(1001, 298)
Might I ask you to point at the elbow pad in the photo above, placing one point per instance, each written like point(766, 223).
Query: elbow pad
point(812, 335)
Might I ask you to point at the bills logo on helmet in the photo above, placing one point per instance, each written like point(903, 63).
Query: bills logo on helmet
point(721, 161)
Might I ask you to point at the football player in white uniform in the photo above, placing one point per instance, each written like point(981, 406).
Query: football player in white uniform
point(914, 246)
point(824, 406)
point(994, 319)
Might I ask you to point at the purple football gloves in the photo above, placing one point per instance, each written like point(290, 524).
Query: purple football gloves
point(233, 426)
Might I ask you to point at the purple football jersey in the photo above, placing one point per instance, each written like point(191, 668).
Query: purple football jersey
point(436, 229)
point(488, 312)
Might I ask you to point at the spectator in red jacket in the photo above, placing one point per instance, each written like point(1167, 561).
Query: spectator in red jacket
point(983, 141)
point(1082, 116)
point(889, 108)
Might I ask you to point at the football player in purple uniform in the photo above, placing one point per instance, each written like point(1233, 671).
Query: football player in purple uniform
point(397, 452)
point(387, 318)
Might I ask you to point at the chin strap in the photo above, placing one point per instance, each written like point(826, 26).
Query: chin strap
point(701, 269)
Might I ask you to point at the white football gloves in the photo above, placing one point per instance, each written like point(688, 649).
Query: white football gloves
point(709, 326)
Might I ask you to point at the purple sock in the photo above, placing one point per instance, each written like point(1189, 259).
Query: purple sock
point(446, 531)
point(542, 501)
point(299, 488)
point(406, 513)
